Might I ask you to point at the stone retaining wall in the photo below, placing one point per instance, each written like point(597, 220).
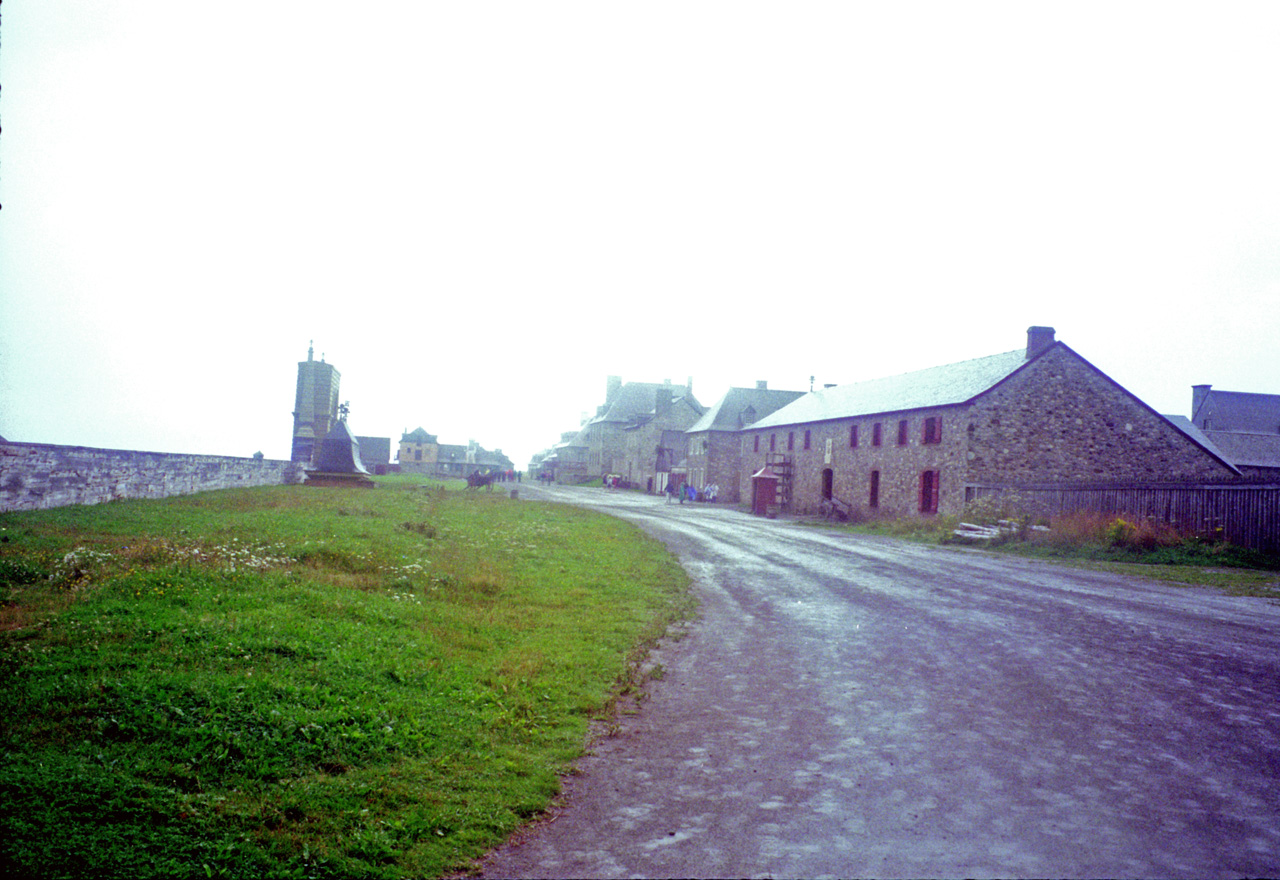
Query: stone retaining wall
point(40, 475)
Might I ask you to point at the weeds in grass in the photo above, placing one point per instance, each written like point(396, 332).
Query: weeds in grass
point(1100, 539)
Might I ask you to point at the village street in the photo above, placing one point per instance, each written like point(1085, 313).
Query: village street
point(854, 706)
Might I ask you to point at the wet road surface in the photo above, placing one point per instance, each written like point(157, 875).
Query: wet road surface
point(855, 706)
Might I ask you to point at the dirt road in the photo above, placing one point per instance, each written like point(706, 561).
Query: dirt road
point(849, 706)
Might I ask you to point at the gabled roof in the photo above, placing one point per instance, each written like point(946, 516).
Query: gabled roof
point(741, 407)
point(936, 386)
point(418, 436)
point(636, 399)
point(1239, 411)
point(375, 450)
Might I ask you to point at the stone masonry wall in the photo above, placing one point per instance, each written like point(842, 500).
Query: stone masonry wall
point(716, 457)
point(899, 466)
point(1062, 420)
point(37, 475)
point(1058, 420)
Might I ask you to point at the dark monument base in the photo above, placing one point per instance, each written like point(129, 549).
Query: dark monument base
point(330, 479)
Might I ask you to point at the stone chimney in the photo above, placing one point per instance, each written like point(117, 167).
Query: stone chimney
point(1199, 394)
point(662, 400)
point(611, 388)
point(1039, 339)
point(762, 384)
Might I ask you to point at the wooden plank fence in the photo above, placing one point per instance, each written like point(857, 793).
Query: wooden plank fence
point(1245, 514)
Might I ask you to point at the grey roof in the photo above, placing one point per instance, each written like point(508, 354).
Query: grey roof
point(1239, 448)
point(1186, 426)
point(417, 435)
point(375, 450)
point(638, 398)
point(727, 413)
point(1245, 449)
point(1239, 411)
point(936, 386)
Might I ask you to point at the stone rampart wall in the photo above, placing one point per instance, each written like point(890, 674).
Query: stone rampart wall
point(39, 475)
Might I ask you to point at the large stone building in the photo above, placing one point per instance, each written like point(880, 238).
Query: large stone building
point(628, 435)
point(636, 434)
point(315, 408)
point(713, 442)
point(924, 442)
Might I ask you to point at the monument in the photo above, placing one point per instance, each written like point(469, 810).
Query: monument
point(338, 463)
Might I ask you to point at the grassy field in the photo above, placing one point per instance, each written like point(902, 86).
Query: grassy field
point(294, 681)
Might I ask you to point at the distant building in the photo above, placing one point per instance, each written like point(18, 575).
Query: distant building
point(315, 408)
point(418, 452)
point(423, 453)
point(1242, 427)
point(714, 442)
point(375, 452)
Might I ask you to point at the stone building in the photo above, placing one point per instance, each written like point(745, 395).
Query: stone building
point(923, 442)
point(375, 453)
point(315, 408)
point(422, 453)
point(713, 442)
point(418, 452)
point(626, 435)
point(566, 462)
point(456, 460)
point(1243, 427)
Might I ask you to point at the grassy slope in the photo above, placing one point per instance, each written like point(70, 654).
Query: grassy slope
point(299, 681)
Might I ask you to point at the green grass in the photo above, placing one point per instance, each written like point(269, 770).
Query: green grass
point(293, 681)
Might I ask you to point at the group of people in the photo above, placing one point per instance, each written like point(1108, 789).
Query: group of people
point(686, 492)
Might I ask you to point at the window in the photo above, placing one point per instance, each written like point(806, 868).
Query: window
point(875, 434)
point(417, 455)
point(773, 442)
point(929, 491)
point(932, 430)
point(806, 438)
point(853, 436)
point(873, 500)
point(791, 440)
point(757, 449)
point(902, 432)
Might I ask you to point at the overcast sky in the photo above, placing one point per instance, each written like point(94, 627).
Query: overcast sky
point(480, 210)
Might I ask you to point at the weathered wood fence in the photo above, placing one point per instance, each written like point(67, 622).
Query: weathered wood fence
point(1246, 514)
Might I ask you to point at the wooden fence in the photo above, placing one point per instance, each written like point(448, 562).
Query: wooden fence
point(1246, 514)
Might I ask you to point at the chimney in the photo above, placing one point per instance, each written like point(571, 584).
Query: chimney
point(762, 384)
point(662, 400)
point(1199, 394)
point(611, 388)
point(1039, 339)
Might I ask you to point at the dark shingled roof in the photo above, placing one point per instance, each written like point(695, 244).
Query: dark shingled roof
point(637, 399)
point(1240, 411)
point(1245, 449)
point(936, 386)
point(417, 435)
point(728, 413)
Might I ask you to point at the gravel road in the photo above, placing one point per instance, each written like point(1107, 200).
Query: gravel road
point(854, 706)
